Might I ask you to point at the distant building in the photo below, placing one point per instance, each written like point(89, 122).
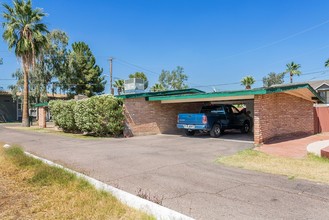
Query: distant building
point(11, 110)
point(322, 88)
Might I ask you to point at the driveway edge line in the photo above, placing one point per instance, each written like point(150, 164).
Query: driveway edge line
point(151, 208)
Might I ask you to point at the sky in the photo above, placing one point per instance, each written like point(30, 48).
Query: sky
point(217, 42)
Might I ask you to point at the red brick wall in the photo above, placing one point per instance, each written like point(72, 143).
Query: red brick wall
point(321, 116)
point(42, 117)
point(146, 117)
point(281, 115)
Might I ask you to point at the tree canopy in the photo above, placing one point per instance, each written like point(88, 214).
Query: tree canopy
point(293, 69)
point(25, 33)
point(157, 88)
point(173, 80)
point(248, 81)
point(52, 64)
point(120, 85)
point(84, 76)
point(273, 78)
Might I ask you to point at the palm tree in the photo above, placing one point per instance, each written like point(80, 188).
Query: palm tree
point(24, 33)
point(248, 81)
point(120, 85)
point(292, 69)
point(157, 88)
point(326, 64)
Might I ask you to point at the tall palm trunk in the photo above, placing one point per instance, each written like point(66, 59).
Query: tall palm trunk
point(25, 116)
point(290, 77)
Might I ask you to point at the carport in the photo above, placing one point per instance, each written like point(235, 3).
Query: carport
point(278, 111)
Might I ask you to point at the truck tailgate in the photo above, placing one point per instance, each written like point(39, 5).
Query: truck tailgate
point(190, 119)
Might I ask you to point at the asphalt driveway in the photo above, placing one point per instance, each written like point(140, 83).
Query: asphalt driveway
point(183, 171)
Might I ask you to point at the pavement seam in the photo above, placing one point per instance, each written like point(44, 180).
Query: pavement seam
point(149, 171)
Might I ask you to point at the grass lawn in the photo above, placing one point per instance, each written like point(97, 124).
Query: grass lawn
point(30, 189)
point(310, 168)
point(51, 130)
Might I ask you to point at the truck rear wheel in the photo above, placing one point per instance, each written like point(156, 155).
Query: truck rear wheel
point(189, 132)
point(215, 131)
point(245, 128)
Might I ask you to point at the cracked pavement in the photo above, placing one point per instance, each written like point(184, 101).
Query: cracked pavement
point(183, 171)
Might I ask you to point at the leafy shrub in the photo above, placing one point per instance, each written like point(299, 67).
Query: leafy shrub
point(63, 114)
point(100, 115)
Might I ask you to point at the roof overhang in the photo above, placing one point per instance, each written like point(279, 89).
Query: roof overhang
point(146, 95)
point(211, 99)
point(304, 91)
point(321, 85)
point(43, 104)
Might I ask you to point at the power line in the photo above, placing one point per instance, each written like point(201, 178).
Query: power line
point(279, 41)
point(322, 72)
point(137, 66)
point(300, 55)
point(259, 80)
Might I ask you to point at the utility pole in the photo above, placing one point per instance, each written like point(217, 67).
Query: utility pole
point(111, 76)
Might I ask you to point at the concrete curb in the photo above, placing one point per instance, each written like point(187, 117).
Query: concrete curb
point(151, 208)
point(316, 147)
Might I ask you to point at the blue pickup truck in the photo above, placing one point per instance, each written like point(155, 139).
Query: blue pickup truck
point(214, 119)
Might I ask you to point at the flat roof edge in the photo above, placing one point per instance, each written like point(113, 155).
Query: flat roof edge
point(259, 91)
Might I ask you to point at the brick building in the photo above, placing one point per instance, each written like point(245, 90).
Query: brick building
point(8, 107)
point(11, 110)
point(277, 111)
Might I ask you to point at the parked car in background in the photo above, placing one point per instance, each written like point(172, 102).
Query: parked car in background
point(215, 119)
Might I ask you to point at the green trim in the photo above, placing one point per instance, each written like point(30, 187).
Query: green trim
point(43, 104)
point(258, 91)
point(162, 93)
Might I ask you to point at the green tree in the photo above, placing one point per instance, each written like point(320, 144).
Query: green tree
point(24, 32)
point(54, 62)
point(157, 88)
point(120, 85)
point(56, 59)
point(140, 75)
point(326, 64)
point(293, 69)
point(273, 78)
point(248, 81)
point(84, 75)
point(173, 80)
point(38, 85)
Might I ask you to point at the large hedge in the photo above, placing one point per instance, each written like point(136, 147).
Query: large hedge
point(63, 114)
point(98, 115)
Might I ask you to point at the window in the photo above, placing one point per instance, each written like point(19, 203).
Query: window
point(218, 109)
point(235, 110)
point(212, 109)
point(228, 110)
point(325, 96)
